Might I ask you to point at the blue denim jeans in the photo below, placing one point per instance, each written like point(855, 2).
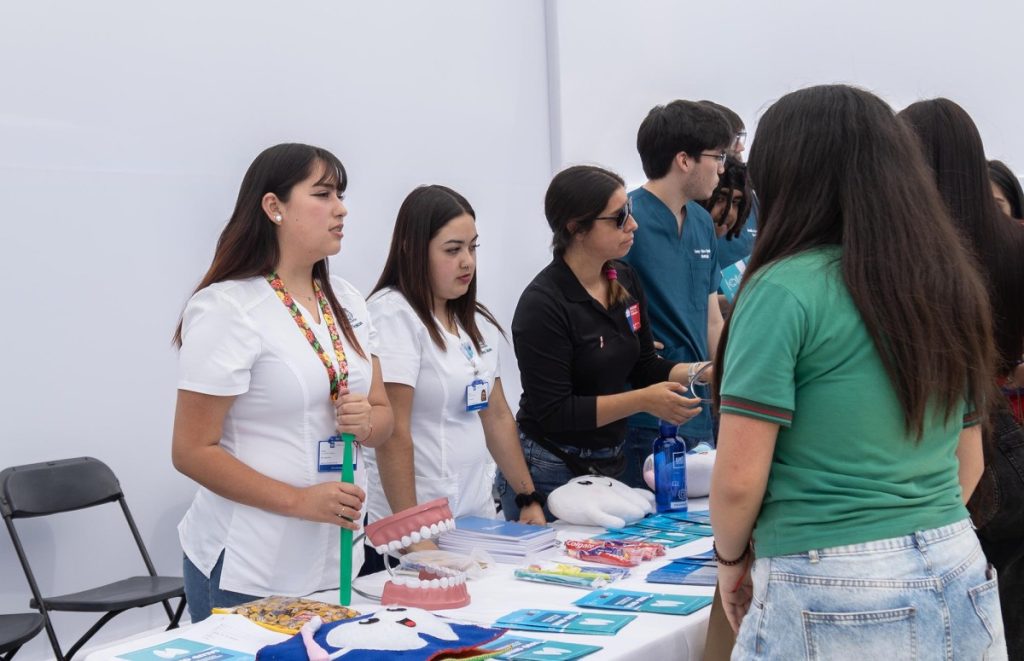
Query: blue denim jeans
point(547, 471)
point(638, 446)
point(204, 594)
point(929, 595)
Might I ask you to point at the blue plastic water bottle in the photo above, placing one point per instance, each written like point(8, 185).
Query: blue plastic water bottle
point(669, 469)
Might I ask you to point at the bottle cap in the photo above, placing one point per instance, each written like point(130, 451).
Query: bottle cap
point(667, 429)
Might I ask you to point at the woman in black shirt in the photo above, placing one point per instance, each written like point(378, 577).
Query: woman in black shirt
point(582, 339)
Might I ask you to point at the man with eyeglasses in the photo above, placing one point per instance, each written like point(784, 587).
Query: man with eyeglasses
point(682, 147)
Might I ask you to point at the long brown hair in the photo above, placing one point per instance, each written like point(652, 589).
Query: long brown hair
point(953, 149)
point(833, 166)
point(407, 269)
point(248, 245)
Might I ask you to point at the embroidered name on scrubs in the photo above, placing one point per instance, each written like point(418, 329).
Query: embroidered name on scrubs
point(476, 391)
point(633, 316)
point(330, 451)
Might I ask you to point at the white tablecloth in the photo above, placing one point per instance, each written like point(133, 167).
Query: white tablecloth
point(650, 636)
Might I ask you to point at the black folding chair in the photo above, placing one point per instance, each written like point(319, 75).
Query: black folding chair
point(51, 487)
point(17, 629)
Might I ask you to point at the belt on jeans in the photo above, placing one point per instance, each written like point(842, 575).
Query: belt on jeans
point(583, 453)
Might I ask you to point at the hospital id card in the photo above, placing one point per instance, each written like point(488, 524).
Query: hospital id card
point(331, 455)
point(476, 395)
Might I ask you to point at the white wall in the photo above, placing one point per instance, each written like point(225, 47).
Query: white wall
point(617, 60)
point(125, 128)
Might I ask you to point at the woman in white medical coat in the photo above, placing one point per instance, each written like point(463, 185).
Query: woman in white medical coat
point(277, 357)
point(439, 357)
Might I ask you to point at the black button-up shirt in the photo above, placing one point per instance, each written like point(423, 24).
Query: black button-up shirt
point(571, 350)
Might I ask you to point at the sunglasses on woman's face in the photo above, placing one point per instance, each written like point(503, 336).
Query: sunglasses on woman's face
point(621, 216)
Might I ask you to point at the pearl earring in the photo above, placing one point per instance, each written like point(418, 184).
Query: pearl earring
point(277, 218)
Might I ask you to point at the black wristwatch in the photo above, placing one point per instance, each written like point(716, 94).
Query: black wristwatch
point(524, 499)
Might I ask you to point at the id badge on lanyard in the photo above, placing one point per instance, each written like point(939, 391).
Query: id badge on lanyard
point(330, 455)
point(331, 452)
point(477, 391)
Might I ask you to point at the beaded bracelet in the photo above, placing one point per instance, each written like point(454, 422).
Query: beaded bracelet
point(730, 563)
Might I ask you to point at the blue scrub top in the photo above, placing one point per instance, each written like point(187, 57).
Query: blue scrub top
point(678, 274)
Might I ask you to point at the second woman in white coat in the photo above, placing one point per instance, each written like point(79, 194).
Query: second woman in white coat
point(439, 359)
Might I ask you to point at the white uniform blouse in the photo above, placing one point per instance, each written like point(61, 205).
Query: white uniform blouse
point(450, 452)
point(238, 339)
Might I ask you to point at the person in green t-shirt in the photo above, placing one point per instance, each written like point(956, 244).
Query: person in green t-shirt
point(848, 395)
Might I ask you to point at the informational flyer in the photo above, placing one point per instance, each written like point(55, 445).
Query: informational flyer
point(643, 602)
point(537, 619)
point(531, 649)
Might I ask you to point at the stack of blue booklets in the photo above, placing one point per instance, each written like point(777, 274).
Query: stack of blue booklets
point(505, 541)
point(693, 570)
point(551, 621)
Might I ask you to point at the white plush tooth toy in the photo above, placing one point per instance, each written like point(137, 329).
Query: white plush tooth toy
point(593, 500)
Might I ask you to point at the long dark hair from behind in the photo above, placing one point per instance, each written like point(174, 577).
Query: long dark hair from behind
point(407, 269)
point(248, 245)
point(575, 198)
point(1001, 175)
point(952, 147)
point(833, 166)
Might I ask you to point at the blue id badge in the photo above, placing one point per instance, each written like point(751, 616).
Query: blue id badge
point(331, 454)
point(476, 395)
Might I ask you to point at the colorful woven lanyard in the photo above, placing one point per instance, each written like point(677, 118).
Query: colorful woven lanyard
point(337, 379)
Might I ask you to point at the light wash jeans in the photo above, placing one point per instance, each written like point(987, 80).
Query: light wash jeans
point(547, 471)
point(929, 595)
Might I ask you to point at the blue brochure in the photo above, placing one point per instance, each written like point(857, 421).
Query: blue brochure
point(637, 534)
point(685, 573)
point(732, 275)
point(644, 602)
point(670, 524)
point(529, 649)
point(703, 516)
point(182, 649)
point(537, 619)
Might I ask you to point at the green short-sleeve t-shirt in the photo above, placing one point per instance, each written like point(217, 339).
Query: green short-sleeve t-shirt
point(845, 469)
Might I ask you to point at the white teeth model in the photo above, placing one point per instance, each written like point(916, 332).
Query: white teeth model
point(398, 579)
point(425, 533)
point(396, 545)
point(382, 549)
point(414, 582)
point(406, 541)
point(435, 529)
point(415, 537)
point(445, 582)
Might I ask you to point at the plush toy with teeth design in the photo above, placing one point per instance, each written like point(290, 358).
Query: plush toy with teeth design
point(394, 633)
point(593, 500)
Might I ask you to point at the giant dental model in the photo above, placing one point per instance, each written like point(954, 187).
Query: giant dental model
point(435, 586)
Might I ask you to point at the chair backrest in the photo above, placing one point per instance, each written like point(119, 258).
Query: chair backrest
point(50, 487)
